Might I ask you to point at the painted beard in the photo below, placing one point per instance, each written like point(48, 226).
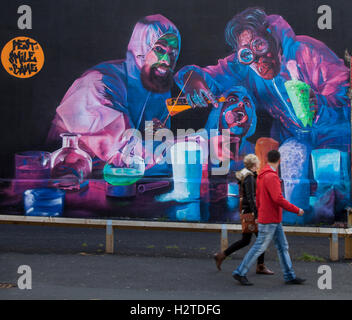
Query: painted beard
point(158, 78)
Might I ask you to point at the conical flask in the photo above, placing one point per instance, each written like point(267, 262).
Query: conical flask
point(70, 165)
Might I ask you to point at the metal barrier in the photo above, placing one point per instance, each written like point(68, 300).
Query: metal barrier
point(333, 233)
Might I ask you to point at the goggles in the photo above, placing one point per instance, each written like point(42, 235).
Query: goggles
point(258, 47)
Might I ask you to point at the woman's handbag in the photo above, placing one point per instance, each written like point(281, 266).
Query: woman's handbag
point(248, 223)
point(247, 219)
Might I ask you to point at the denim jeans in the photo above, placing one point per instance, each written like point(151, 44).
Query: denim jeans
point(267, 232)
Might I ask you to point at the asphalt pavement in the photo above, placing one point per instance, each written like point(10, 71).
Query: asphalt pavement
point(71, 263)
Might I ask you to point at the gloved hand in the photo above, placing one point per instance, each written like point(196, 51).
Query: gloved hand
point(197, 91)
point(313, 102)
point(123, 158)
point(118, 160)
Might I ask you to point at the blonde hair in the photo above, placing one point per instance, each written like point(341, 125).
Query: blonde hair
point(250, 160)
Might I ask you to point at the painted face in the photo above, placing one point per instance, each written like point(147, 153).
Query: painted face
point(157, 71)
point(237, 113)
point(164, 52)
point(260, 51)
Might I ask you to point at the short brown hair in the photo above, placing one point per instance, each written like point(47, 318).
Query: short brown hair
point(273, 156)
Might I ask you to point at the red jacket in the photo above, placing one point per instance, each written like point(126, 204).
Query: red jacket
point(269, 198)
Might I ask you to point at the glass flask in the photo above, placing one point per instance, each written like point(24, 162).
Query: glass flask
point(70, 164)
point(124, 176)
point(121, 180)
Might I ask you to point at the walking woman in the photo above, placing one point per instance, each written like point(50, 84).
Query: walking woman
point(248, 177)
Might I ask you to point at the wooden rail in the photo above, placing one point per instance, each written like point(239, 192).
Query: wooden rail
point(223, 229)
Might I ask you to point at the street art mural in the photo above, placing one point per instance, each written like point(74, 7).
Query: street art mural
point(123, 151)
point(301, 83)
point(118, 95)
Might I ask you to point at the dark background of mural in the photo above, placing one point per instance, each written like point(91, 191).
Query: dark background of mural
point(76, 35)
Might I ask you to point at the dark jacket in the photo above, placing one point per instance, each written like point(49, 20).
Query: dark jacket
point(248, 185)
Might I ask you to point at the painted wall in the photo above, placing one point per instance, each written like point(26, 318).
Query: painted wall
point(282, 86)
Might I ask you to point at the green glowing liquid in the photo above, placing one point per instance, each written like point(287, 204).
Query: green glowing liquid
point(121, 176)
point(298, 92)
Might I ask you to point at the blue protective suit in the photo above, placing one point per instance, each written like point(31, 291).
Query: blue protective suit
point(217, 122)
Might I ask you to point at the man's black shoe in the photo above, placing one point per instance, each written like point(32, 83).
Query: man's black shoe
point(242, 280)
point(296, 281)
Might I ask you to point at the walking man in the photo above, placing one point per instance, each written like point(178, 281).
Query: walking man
point(270, 202)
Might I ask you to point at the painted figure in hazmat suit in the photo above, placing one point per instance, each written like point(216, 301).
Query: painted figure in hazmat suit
point(118, 95)
point(236, 114)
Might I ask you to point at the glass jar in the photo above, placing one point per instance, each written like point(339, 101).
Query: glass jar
point(32, 170)
point(294, 166)
point(70, 164)
point(44, 202)
point(32, 165)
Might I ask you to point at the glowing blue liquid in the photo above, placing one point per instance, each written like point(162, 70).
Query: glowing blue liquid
point(44, 202)
point(187, 173)
point(188, 176)
point(326, 168)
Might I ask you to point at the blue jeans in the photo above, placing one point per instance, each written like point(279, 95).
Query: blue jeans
point(267, 232)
